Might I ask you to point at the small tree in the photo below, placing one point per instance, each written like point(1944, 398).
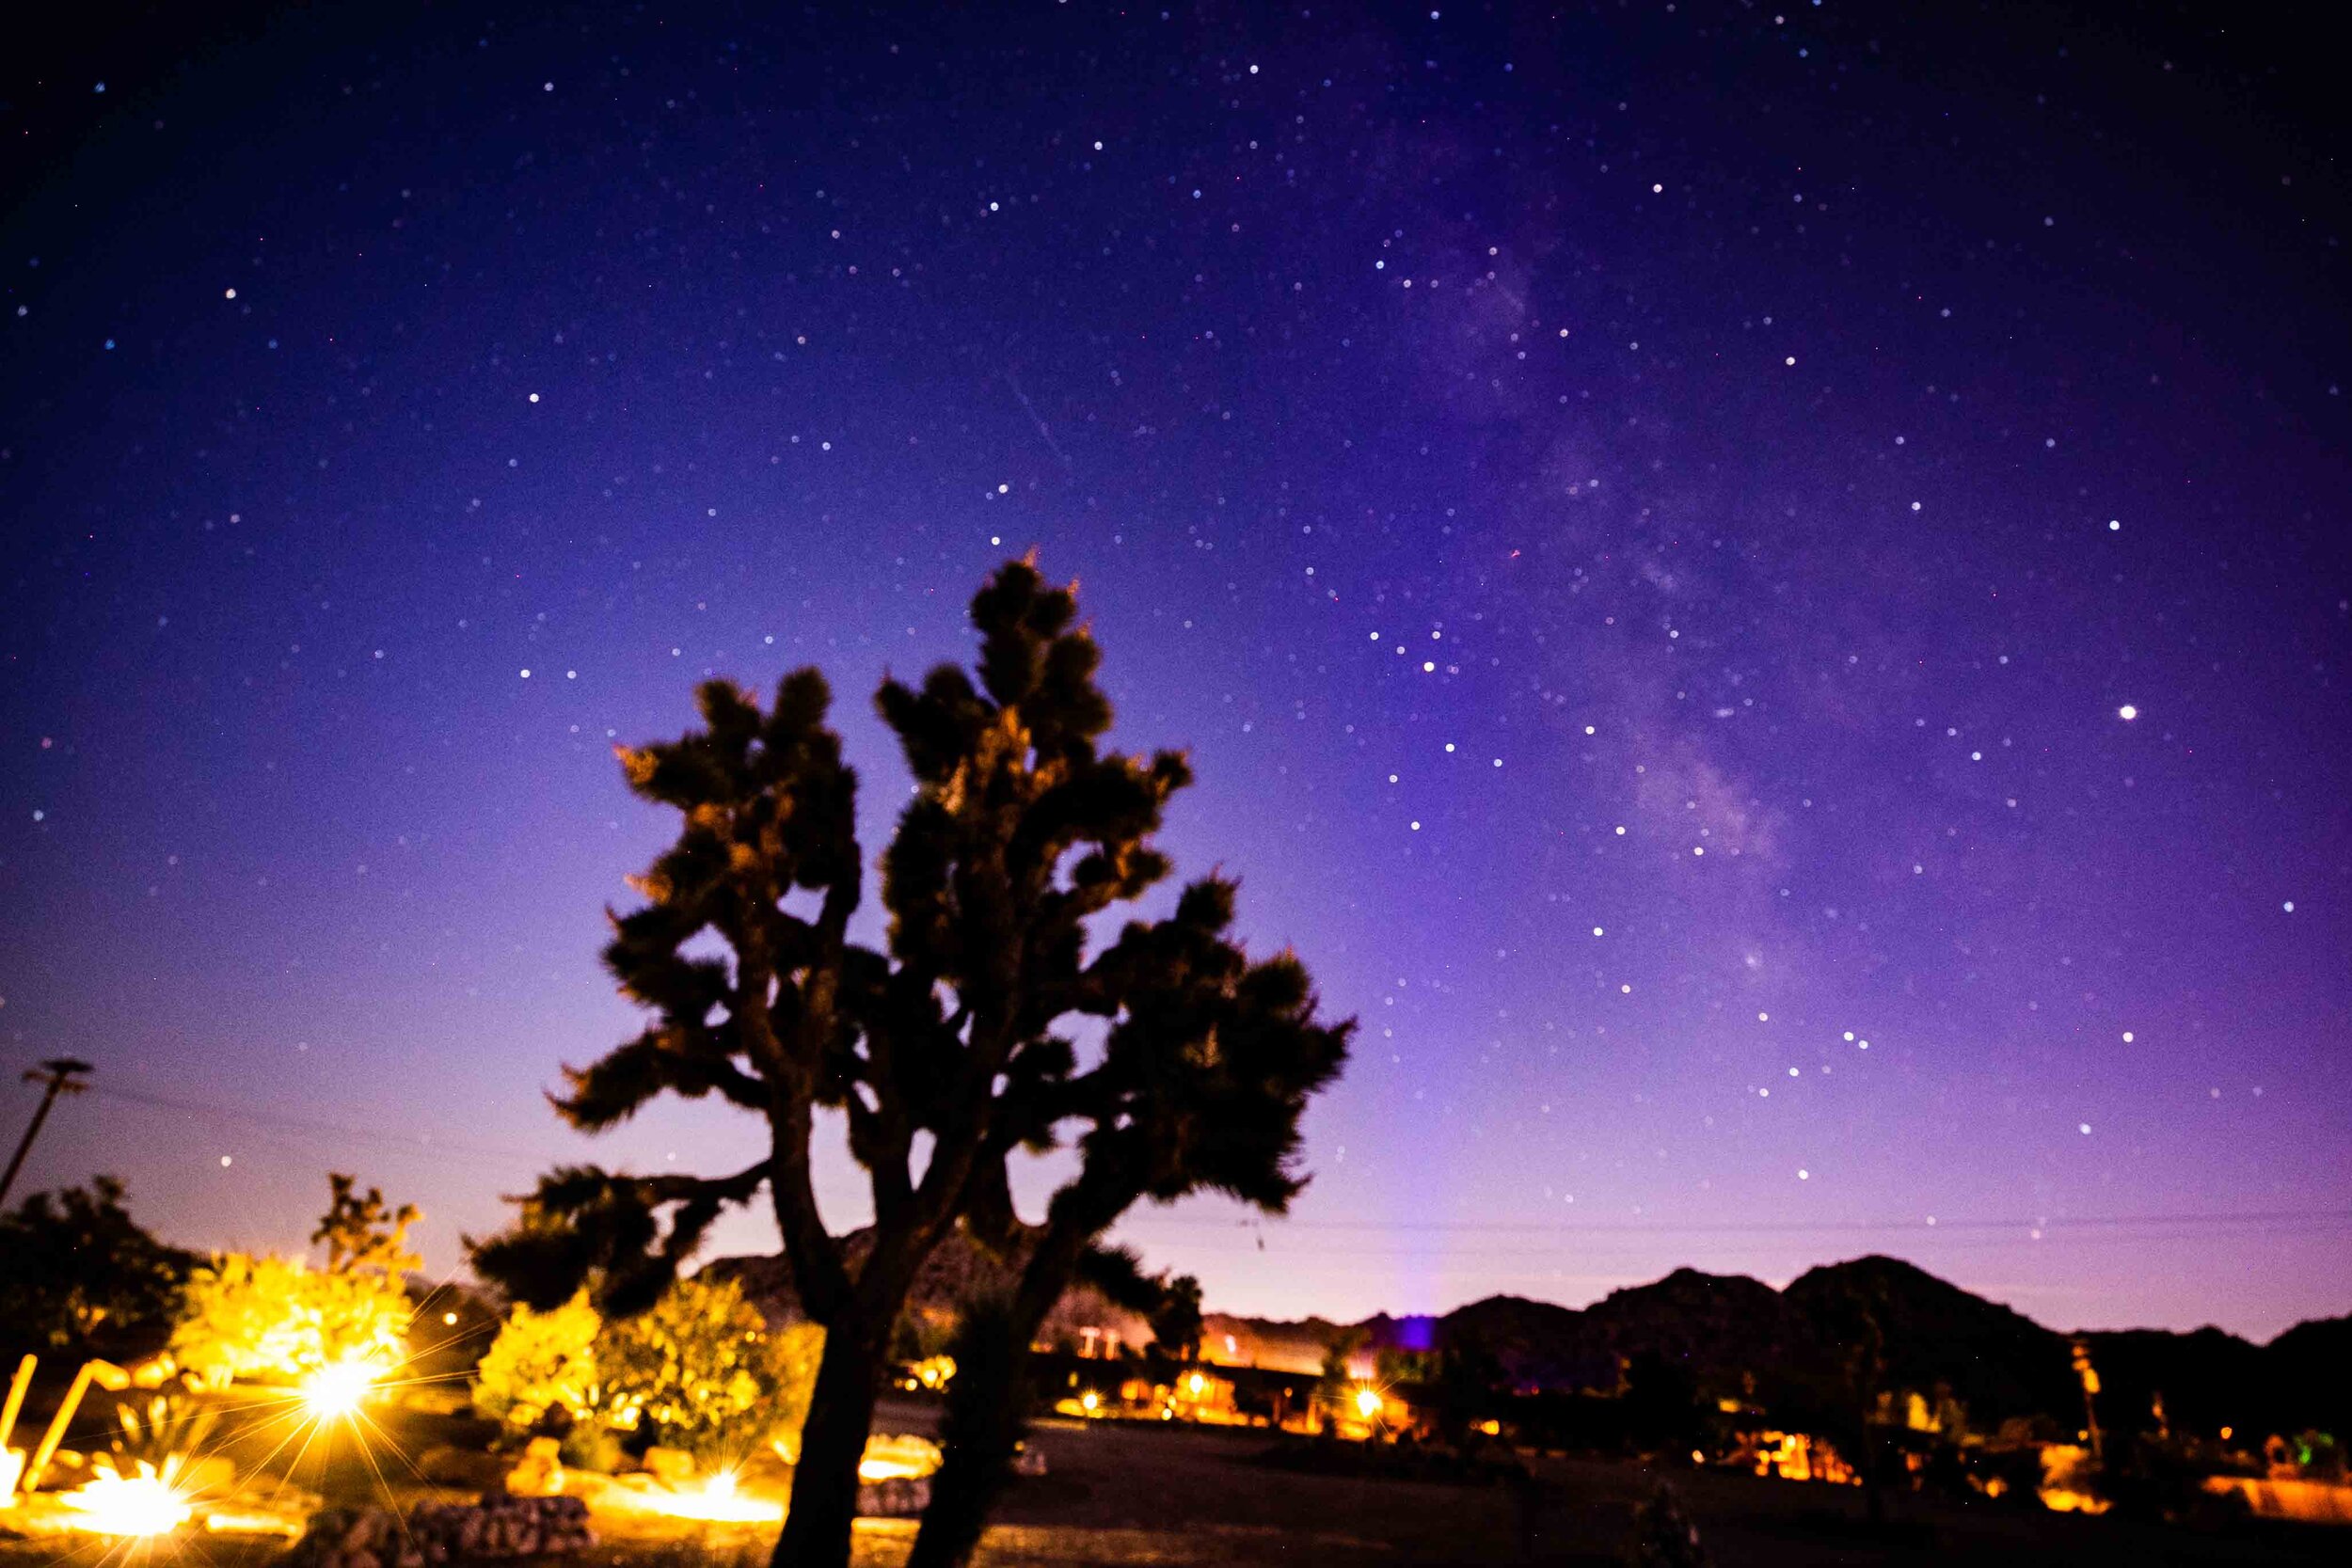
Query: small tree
point(79, 1275)
point(279, 1318)
point(362, 1232)
point(942, 1054)
point(1176, 1319)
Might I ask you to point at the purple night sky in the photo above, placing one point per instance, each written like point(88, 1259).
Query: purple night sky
point(1681, 540)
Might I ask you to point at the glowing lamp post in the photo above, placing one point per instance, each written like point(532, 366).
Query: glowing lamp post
point(1367, 1403)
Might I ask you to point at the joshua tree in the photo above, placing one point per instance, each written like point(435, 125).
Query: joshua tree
point(943, 1051)
point(1200, 1086)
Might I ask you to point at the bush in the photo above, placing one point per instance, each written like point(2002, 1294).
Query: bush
point(83, 1277)
point(280, 1318)
point(698, 1370)
point(539, 1375)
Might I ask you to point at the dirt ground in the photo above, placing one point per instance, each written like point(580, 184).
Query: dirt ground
point(1134, 1495)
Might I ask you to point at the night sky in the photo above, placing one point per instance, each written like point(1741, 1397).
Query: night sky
point(1762, 596)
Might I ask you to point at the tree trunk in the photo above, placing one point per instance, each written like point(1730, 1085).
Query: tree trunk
point(988, 1400)
point(824, 1482)
point(988, 1406)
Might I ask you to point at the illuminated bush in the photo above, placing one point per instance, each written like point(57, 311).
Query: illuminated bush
point(698, 1370)
point(540, 1373)
point(280, 1318)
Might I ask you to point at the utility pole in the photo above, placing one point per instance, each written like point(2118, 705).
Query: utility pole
point(63, 1076)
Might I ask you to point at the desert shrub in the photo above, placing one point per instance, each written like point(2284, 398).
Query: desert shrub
point(279, 1319)
point(698, 1370)
point(539, 1375)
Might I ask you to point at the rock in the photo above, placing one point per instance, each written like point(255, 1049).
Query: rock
point(672, 1467)
point(501, 1526)
point(900, 1498)
point(539, 1473)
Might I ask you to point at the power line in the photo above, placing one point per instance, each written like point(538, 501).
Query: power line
point(1920, 1223)
point(417, 1143)
point(1440, 1255)
point(1914, 1226)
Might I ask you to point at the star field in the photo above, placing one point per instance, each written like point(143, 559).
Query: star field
point(1761, 596)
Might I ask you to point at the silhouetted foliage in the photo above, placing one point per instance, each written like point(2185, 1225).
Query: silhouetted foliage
point(1467, 1388)
point(80, 1276)
point(1176, 1319)
point(1662, 1402)
point(361, 1231)
point(1019, 832)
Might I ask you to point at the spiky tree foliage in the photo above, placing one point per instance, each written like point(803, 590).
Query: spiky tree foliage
point(1021, 830)
point(363, 1231)
point(1202, 1082)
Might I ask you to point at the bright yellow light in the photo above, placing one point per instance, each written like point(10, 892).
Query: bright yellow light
point(716, 1500)
point(127, 1505)
point(1196, 1383)
point(450, 1317)
point(1367, 1403)
point(1092, 1399)
point(2225, 1434)
point(333, 1392)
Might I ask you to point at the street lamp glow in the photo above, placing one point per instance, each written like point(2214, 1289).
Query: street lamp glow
point(1367, 1403)
point(2127, 712)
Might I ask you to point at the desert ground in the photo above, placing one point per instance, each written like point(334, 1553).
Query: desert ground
point(1173, 1496)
